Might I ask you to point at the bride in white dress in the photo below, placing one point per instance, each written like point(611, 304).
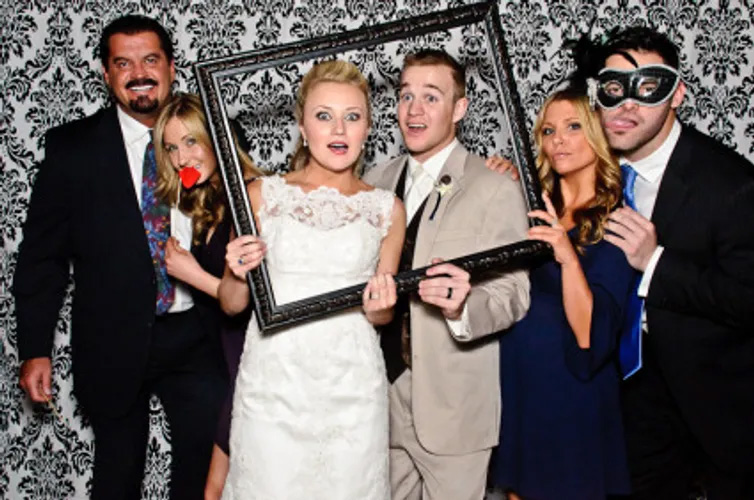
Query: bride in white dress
point(310, 411)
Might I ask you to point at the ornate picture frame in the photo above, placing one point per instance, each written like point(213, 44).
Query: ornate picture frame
point(211, 75)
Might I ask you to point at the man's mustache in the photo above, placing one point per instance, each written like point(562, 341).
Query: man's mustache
point(140, 82)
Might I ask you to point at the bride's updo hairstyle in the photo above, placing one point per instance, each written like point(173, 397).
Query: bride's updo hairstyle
point(328, 71)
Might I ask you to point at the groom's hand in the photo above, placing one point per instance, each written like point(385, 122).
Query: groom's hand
point(446, 287)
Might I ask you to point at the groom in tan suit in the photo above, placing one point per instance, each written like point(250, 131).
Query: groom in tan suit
point(440, 350)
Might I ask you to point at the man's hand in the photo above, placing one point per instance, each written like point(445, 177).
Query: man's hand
point(446, 292)
point(501, 165)
point(634, 234)
point(35, 379)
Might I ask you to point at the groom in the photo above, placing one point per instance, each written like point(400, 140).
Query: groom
point(440, 352)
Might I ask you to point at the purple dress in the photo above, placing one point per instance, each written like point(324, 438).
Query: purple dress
point(231, 330)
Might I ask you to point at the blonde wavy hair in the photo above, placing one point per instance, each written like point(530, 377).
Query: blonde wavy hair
point(608, 192)
point(328, 71)
point(204, 203)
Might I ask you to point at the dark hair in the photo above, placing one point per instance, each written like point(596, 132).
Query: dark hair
point(435, 57)
point(131, 25)
point(640, 38)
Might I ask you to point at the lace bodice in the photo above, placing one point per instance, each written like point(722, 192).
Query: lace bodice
point(326, 208)
point(341, 234)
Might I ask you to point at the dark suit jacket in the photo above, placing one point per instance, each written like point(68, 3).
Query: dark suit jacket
point(84, 212)
point(700, 306)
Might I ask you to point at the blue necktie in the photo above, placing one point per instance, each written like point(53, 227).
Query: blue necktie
point(629, 179)
point(629, 345)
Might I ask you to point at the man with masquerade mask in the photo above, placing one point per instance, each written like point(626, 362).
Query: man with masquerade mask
point(134, 331)
point(689, 410)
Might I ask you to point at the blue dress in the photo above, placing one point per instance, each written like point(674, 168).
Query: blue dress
point(562, 434)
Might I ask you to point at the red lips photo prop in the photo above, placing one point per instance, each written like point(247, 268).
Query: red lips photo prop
point(189, 176)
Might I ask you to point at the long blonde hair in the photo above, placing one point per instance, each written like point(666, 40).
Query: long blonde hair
point(591, 218)
point(328, 71)
point(204, 203)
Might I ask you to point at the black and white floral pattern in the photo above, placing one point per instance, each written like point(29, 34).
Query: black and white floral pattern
point(50, 74)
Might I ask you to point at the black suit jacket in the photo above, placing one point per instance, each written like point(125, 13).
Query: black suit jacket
point(700, 305)
point(84, 212)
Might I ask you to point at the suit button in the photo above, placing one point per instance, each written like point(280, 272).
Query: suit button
point(150, 324)
point(154, 281)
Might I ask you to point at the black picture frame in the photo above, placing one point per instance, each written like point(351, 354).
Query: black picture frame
point(210, 73)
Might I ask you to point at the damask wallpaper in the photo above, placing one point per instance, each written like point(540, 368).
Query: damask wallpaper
point(49, 75)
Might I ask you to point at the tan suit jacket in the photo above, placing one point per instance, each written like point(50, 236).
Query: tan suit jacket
point(456, 381)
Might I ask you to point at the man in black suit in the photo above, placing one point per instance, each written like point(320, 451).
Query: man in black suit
point(689, 411)
point(129, 340)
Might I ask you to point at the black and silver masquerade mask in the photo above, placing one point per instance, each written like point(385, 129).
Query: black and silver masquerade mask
point(649, 85)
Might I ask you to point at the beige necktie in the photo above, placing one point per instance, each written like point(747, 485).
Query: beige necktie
point(414, 195)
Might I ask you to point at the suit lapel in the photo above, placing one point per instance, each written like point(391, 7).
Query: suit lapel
point(673, 188)
point(387, 176)
point(454, 168)
point(116, 178)
point(111, 150)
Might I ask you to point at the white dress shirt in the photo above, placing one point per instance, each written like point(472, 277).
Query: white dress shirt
point(649, 172)
point(136, 138)
point(425, 183)
point(424, 186)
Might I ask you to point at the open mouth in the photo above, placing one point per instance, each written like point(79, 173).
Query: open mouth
point(416, 126)
point(339, 148)
point(143, 85)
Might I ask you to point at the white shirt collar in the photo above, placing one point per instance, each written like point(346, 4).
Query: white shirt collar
point(652, 167)
point(434, 164)
point(133, 129)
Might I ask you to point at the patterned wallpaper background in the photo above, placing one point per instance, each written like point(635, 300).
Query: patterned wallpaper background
point(49, 75)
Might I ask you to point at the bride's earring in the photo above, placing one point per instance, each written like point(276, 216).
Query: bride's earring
point(306, 144)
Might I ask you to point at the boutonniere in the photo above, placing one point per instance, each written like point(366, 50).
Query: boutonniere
point(442, 187)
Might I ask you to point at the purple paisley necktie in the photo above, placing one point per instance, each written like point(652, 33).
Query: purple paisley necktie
point(156, 215)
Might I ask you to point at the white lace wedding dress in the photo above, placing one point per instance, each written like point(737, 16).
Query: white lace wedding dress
point(310, 415)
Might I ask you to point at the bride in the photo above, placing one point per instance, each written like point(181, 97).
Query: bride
point(310, 411)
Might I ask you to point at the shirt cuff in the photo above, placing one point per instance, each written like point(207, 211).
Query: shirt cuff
point(459, 327)
point(643, 290)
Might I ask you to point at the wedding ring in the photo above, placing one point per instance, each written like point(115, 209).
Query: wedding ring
point(240, 261)
point(450, 293)
point(374, 296)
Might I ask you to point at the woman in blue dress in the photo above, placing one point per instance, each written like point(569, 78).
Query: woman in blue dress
point(561, 434)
